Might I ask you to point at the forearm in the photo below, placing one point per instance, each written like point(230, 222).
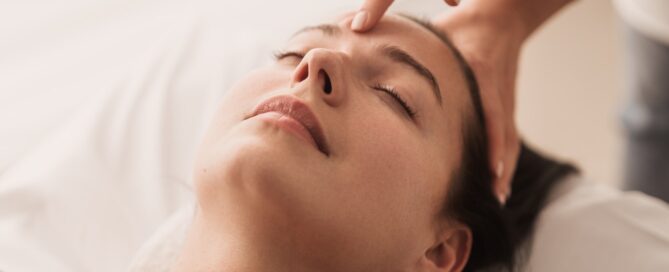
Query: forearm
point(535, 13)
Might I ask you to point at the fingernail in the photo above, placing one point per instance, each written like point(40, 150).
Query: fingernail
point(359, 20)
point(500, 169)
point(502, 198)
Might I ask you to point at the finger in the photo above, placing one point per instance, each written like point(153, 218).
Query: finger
point(495, 127)
point(369, 14)
point(497, 148)
point(452, 3)
point(510, 160)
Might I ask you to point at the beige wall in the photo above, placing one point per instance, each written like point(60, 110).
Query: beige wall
point(570, 89)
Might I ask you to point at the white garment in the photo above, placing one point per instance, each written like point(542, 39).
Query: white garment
point(588, 226)
point(161, 251)
point(650, 17)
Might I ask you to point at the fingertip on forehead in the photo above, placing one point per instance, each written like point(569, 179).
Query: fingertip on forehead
point(346, 18)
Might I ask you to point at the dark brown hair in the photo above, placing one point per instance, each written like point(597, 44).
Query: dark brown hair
point(497, 230)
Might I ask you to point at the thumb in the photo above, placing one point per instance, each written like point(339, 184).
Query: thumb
point(369, 14)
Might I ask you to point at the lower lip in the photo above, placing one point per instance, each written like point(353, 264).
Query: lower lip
point(289, 124)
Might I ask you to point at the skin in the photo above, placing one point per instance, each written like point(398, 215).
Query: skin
point(489, 34)
point(270, 202)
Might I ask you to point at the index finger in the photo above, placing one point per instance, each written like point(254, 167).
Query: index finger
point(369, 14)
point(372, 10)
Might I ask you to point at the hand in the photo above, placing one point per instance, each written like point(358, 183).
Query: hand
point(372, 11)
point(489, 38)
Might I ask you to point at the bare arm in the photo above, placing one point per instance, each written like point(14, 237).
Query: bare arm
point(525, 16)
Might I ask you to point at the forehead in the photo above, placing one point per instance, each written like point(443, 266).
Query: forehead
point(423, 45)
point(403, 32)
point(444, 123)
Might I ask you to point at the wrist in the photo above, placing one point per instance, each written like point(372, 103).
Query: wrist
point(501, 19)
point(520, 17)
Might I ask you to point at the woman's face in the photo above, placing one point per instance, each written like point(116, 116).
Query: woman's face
point(376, 190)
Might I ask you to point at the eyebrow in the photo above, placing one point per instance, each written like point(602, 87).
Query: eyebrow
point(403, 57)
point(392, 52)
point(327, 29)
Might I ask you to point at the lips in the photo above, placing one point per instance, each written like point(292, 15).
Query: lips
point(291, 107)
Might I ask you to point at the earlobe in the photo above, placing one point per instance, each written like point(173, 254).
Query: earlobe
point(451, 251)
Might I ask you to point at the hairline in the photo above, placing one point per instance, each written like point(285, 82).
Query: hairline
point(473, 124)
point(465, 68)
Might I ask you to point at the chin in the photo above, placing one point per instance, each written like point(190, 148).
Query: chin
point(250, 165)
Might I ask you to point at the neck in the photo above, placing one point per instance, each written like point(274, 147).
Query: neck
point(211, 247)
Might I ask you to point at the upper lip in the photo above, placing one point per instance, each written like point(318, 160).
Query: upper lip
point(298, 110)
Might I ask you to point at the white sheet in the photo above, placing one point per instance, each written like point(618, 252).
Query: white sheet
point(588, 226)
point(101, 106)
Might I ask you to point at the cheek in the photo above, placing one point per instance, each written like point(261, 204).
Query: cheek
point(242, 97)
point(386, 145)
point(235, 104)
point(383, 146)
point(386, 152)
point(392, 173)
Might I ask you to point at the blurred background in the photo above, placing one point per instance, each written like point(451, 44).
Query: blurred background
point(570, 89)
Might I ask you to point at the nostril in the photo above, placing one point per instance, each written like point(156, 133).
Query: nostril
point(327, 85)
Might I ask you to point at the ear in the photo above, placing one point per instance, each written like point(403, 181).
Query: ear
point(450, 251)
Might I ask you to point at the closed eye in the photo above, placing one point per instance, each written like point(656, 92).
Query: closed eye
point(395, 95)
point(281, 55)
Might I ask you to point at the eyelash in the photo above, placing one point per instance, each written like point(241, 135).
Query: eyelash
point(392, 92)
point(279, 55)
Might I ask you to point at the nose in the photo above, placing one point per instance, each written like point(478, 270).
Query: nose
point(321, 70)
